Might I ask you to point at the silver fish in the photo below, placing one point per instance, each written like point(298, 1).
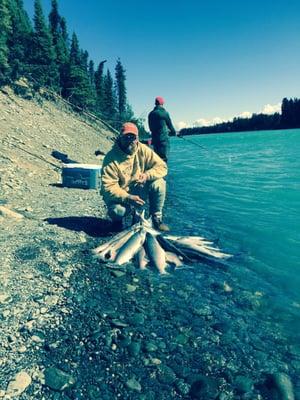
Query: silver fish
point(142, 259)
point(172, 247)
point(208, 251)
point(110, 252)
point(131, 247)
point(116, 238)
point(155, 253)
point(174, 259)
point(190, 239)
point(197, 244)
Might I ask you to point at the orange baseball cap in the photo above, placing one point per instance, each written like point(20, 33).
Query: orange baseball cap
point(129, 127)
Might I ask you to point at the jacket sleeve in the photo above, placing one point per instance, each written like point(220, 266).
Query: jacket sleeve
point(111, 189)
point(150, 124)
point(155, 167)
point(170, 125)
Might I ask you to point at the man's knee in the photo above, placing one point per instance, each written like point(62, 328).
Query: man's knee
point(116, 211)
point(158, 185)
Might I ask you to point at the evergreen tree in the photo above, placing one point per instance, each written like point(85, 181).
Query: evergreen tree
point(19, 39)
point(91, 76)
point(109, 100)
point(84, 59)
point(75, 52)
point(129, 115)
point(60, 42)
point(92, 73)
point(120, 90)
point(99, 84)
point(43, 68)
point(285, 114)
point(79, 90)
point(59, 35)
point(64, 32)
point(54, 21)
point(5, 29)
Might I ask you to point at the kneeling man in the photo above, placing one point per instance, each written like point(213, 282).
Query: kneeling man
point(131, 173)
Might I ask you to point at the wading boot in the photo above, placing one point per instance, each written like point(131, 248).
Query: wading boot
point(135, 217)
point(159, 225)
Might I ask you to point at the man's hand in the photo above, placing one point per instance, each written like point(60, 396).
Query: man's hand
point(141, 179)
point(135, 200)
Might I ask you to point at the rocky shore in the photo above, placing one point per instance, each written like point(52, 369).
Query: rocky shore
point(74, 328)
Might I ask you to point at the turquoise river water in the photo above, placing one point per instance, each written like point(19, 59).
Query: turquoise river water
point(243, 189)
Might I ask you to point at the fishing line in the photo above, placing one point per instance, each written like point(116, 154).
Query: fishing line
point(191, 142)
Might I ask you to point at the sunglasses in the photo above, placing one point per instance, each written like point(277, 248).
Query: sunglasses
point(130, 137)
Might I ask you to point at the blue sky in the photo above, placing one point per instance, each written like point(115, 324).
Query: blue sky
point(209, 60)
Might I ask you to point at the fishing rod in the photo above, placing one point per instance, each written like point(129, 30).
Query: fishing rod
point(191, 142)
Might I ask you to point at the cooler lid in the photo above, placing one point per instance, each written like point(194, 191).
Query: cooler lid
point(84, 166)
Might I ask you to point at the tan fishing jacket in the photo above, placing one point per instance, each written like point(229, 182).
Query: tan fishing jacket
point(119, 170)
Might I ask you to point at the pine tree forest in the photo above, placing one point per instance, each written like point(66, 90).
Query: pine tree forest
point(289, 118)
point(43, 52)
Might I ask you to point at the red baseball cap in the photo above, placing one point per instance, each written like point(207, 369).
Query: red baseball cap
point(129, 127)
point(159, 101)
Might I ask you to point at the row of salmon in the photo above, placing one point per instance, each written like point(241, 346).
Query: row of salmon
point(149, 247)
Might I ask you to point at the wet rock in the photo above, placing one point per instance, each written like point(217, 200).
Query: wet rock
point(248, 300)
point(94, 393)
point(281, 387)
point(137, 319)
point(227, 288)
point(243, 384)
point(152, 361)
point(203, 311)
point(17, 386)
point(226, 396)
point(134, 348)
point(117, 273)
point(166, 375)
point(57, 379)
point(38, 337)
point(124, 341)
point(222, 326)
point(182, 339)
point(204, 388)
point(119, 323)
point(150, 346)
point(294, 351)
point(131, 288)
point(182, 387)
point(133, 384)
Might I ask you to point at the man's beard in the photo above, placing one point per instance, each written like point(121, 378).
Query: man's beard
point(130, 149)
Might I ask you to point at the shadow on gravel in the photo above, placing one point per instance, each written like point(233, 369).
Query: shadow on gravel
point(92, 226)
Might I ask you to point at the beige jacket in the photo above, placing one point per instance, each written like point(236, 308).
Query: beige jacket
point(119, 170)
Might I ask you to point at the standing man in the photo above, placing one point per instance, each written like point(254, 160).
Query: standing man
point(161, 127)
point(131, 173)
